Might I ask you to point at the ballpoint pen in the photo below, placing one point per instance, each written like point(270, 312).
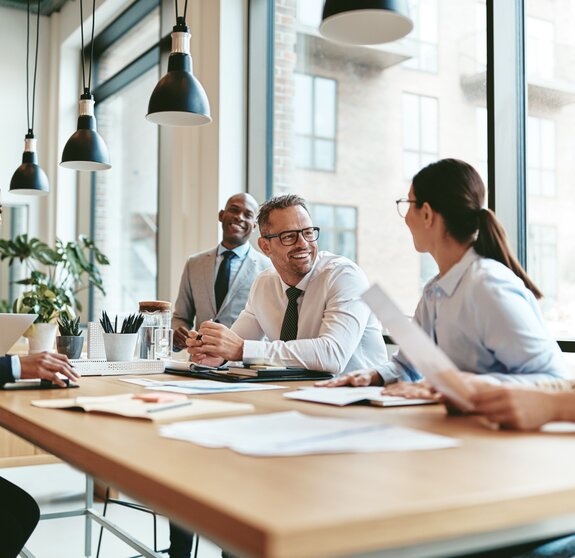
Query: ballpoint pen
point(169, 406)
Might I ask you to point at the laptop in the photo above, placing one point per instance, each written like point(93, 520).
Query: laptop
point(12, 326)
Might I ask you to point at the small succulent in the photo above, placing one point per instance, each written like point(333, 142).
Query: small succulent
point(68, 326)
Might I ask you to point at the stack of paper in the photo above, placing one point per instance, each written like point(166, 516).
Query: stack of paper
point(293, 433)
point(197, 387)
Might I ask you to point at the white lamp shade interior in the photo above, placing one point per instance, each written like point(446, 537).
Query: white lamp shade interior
point(366, 27)
point(176, 118)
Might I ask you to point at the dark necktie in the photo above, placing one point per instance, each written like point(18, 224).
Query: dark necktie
point(289, 325)
point(223, 278)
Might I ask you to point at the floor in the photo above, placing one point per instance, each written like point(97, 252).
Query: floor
point(58, 487)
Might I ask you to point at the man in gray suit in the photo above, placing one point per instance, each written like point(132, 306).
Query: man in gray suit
point(215, 284)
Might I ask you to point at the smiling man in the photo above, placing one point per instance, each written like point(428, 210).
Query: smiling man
point(306, 311)
point(215, 284)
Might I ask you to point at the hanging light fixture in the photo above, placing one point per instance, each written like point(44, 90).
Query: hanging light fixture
point(86, 150)
point(179, 98)
point(29, 177)
point(365, 22)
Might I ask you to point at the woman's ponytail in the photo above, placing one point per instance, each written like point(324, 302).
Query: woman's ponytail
point(491, 243)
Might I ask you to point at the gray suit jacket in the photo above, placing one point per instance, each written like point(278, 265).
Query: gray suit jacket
point(196, 297)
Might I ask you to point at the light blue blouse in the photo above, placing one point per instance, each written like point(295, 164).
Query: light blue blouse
point(485, 319)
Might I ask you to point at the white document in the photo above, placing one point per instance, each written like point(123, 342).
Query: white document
point(199, 387)
point(347, 395)
point(293, 433)
point(421, 351)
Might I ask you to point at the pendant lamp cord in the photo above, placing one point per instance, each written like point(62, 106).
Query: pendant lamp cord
point(31, 122)
point(185, 9)
point(89, 88)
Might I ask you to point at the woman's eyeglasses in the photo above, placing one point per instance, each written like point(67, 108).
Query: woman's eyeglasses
point(402, 205)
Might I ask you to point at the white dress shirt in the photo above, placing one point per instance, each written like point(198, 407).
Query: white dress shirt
point(336, 331)
point(235, 263)
point(486, 321)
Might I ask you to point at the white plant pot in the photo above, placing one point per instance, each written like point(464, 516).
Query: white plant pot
point(43, 338)
point(120, 346)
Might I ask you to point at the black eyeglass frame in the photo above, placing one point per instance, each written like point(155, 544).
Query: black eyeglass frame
point(282, 234)
point(402, 201)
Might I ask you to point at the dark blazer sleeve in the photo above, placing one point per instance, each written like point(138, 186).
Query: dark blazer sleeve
point(5, 370)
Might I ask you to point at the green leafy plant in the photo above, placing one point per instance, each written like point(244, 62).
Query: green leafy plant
point(69, 327)
point(56, 275)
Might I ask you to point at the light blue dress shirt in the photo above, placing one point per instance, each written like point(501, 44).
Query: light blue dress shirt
point(16, 367)
point(235, 263)
point(487, 322)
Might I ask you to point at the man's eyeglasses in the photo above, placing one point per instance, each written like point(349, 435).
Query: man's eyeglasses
point(403, 206)
point(289, 238)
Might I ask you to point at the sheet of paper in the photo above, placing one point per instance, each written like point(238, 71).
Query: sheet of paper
point(421, 351)
point(347, 395)
point(199, 387)
point(293, 433)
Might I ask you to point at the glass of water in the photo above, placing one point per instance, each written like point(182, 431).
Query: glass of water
point(163, 343)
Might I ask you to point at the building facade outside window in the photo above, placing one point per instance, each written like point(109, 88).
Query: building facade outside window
point(391, 121)
point(420, 132)
point(315, 122)
point(540, 157)
point(338, 224)
point(550, 82)
point(424, 38)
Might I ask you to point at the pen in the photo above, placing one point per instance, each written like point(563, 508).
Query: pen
point(169, 406)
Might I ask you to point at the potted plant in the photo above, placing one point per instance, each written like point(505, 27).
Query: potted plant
point(56, 276)
point(70, 341)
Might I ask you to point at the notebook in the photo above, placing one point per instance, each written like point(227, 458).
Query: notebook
point(245, 374)
point(12, 326)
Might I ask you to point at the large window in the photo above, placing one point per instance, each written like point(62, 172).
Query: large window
point(386, 120)
point(549, 52)
point(125, 198)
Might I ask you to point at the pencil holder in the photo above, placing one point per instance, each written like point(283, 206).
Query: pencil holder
point(120, 346)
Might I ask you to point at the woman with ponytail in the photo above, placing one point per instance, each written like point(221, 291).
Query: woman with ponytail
point(481, 308)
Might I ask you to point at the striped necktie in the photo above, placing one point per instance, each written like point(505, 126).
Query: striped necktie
point(289, 325)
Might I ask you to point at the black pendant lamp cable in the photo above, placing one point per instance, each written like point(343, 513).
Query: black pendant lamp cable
point(89, 88)
point(29, 177)
point(31, 124)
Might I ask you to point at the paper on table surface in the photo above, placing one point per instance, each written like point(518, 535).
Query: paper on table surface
point(124, 405)
point(199, 387)
point(293, 433)
point(420, 350)
point(346, 395)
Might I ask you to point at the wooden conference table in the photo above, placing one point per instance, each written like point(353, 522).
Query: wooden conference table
point(498, 487)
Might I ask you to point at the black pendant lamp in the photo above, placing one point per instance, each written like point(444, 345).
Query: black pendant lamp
point(86, 150)
point(179, 98)
point(29, 177)
point(365, 22)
